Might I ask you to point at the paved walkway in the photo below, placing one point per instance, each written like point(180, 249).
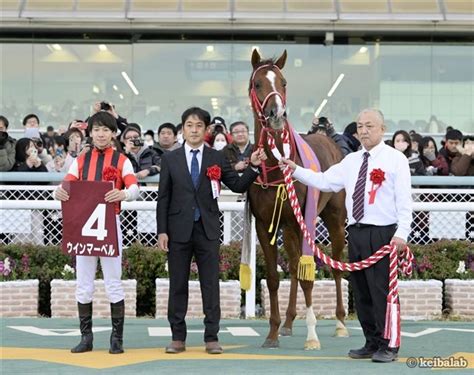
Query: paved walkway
point(41, 346)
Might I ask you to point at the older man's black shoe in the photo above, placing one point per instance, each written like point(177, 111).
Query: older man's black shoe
point(384, 356)
point(362, 353)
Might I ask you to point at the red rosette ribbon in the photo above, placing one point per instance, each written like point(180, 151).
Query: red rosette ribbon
point(110, 174)
point(214, 174)
point(377, 176)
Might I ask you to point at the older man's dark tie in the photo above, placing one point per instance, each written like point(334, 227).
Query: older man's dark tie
point(195, 178)
point(359, 191)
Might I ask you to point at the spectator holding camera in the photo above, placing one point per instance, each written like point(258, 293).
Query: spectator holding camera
point(43, 154)
point(110, 108)
point(434, 163)
point(7, 147)
point(27, 159)
point(217, 126)
point(145, 160)
point(80, 125)
point(322, 125)
point(65, 156)
point(463, 163)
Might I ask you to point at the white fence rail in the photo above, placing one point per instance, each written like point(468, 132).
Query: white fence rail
point(28, 214)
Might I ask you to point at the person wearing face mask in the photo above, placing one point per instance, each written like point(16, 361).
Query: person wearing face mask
point(402, 142)
point(219, 141)
point(434, 163)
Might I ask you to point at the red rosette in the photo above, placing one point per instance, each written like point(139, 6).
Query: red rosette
point(214, 172)
point(110, 174)
point(377, 176)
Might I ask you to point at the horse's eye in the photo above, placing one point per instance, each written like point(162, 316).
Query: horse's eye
point(257, 85)
point(284, 83)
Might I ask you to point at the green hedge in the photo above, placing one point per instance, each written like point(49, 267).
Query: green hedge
point(440, 260)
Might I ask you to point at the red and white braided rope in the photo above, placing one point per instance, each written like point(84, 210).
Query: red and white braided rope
point(392, 321)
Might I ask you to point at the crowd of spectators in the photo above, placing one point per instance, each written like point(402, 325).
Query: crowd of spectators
point(54, 151)
point(454, 158)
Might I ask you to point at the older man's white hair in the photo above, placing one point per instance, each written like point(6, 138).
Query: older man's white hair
point(375, 111)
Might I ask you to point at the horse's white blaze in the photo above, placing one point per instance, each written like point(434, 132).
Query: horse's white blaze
point(280, 109)
point(311, 324)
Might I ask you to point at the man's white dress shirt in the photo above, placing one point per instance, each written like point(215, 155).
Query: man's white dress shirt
point(393, 202)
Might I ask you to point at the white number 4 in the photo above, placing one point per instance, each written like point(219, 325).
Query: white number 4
point(98, 215)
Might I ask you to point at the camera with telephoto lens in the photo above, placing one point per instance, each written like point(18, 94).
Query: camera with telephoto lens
point(105, 106)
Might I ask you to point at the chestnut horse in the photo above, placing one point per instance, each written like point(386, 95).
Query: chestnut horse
point(268, 90)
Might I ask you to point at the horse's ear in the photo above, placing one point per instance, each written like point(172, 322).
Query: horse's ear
point(256, 58)
point(282, 60)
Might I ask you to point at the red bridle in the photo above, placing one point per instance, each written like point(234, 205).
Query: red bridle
point(258, 106)
point(266, 130)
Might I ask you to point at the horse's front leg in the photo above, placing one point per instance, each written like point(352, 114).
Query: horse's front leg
point(312, 340)
point(292, 244)
point(273, 282)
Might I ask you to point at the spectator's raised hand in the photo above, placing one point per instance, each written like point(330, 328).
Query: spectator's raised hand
point(112, 111)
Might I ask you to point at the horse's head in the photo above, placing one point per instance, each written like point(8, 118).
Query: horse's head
point(267, 90)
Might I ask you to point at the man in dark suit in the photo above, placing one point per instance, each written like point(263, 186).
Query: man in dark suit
point(188, 223)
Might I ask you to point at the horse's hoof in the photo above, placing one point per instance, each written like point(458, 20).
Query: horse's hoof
point(271, 344)
point(284, 331)
point(312, 345)
point(341, 332)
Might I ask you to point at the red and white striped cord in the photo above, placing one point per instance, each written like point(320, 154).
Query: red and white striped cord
point(392, 321)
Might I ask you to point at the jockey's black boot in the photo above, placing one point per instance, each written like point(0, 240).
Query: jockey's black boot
point(116, 338)
point(85, 319)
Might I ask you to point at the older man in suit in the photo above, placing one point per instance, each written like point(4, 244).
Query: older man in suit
point(188, 223)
